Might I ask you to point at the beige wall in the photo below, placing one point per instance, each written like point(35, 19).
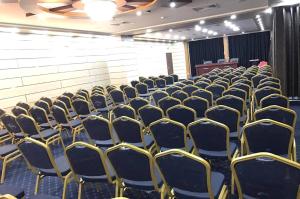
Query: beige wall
point(34, 65)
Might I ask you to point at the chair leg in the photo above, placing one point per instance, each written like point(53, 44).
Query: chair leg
point(117, 189)
point(74, 135)
point(4, 164)
point(66, 182)
point(80, 187)
point(37, 183)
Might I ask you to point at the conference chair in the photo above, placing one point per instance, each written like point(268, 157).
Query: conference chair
point(30, 129)
point(212, 77)
point(130, 92)
point(160, 83)
point(222, 83)
point(189, 176)
point(180, 84)
point(205, 94)
point(244, 81)
point(270, 84)
point(110, 88)
point(182, 114)
point(216, 90)
point(82, 108)
point(138, 103)
point(175, 77)
point(270, 79)
point(134, 168)
point(134, 82)
point(223, 79)
point(69, 112)
point(171, 89)
point(10, 123)
point(99, 131)
point(150, 84)
point(117, 97)
point(267, 135)
point(236, 92)
point(243, 87)
point(266, 73)
point(122, 87)
point(195, 79)
point(84, 94)
point(169, 134)
point(149, 114)
point(142, 90)
point(198, 104)
point(158, 95)
point(265, 175)
point(235, 103)
point(48, 100)
point(88, 165)
point(189, 89)
point(229, 76)
point(100, 104)
point(228, 116)
point(130, 131)
point(211, 140)
point(68, 94)
point(23, 105)
point(255, 80)
point(42, 161)
point(18, 111)
point(167, 103)
point(248, 75)
point(65, 122)
point(275, 99)
point(67, 101)
point(169, 80)
point(41, 117)
point(204, 79)
point(122, 110)
point(259, 94)
point(237, 78)
point(44, 105)
point(201, 84)
point(180, 95)
point(187, 82)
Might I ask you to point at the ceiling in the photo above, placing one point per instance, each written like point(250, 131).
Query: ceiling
point(158, 16)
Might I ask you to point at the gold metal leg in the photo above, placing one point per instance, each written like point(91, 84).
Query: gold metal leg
point(4, 164)
point(232, 185)
point(117, 189)
point(80, 187)
point(66, 182)
point(37, 183)
point(74, 135)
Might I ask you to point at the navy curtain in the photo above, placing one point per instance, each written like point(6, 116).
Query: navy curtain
point(249, 46)
point(205, 50)
point(286, 48)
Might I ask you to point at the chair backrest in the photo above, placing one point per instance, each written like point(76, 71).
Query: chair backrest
point(134, 82)
point(123, 110)
point(169, 80)
point(265, 175)
point(10, 123)
point(18, 111)
point(277, 113)
point(225, 115)
point(180, 84)
point(189, 89)
point(99, 101)
point(62, 105)
point(242, 86)
point(204, 79)
point(168, 134)
point(122, 87)
point(175, 77)
point(68, 94)
point(66, 100)
point(259, 94)
point(130, 92)
point(87, 160)
point(268, 136)
point(150, 114)
point(38, 114)
point(182, 114)
point(128, 130)
point(110, 88)
point(160, 83)
point(98, 128)
point(141, 88)
point(122, 157)
point(233, 102)
point(237, 78)
point(270, 84)
point(81, 107)
point(212, 77)
point(234, 60)
point(170, 90)
point(84, 94)
point(167, 103)
point(221, 61)
point(198, 104)
point(209, 135)
point(217, 90)
point(205, 94)
point(275, 99)
point(59, 115)
point(138, 103)
point(44, 105)
point(27, 124)
point(201, 84)
point(38, 155)
point(236, 92)
point(23, 105)
point(270, 79)
point(149, 82)
point(256, 79)
point(158, 95)
point(117, 96)
point(185, 173)
point(48, 100)
point(180, 95)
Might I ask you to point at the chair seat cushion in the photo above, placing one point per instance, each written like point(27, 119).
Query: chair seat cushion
point(72, 114)
point(53, 123)
point(15, 191)
point(7, 149)
point(148, 142)
point(217, 182)
point(218, 154)
point(73, 123)
point(62, 165)
point(43, 196)
point(142, 185)
point(189, 145)
point(104, 143)
point(45, 134)
point(19, 135)
point(3, 132)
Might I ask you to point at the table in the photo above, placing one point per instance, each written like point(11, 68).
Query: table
point(205, 68)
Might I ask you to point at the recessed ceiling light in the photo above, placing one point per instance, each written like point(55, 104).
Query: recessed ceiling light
point(162, 17)
point(170, 30)
point(148, 30)
point(138, 13)
point(204, 30)
point(215, 33)
point(183, 38)
point(202, 22)
point(176, 36)
point(233, 17)
point(268, 11)
point(243, 32)
point(236, 29)
point(197, 28)
point(207, 37)
point(172, 4)
point(210, 32)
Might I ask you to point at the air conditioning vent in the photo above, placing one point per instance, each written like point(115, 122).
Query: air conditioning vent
point(207, 7)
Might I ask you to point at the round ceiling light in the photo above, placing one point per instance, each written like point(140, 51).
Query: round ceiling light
point(100, 10)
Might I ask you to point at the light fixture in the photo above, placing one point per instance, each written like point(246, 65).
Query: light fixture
point(215, 33)
point(257, 16)
point(176, 37)
point(138, 13)
point(162, 17)
point(202, 22)
point(170, 30)
point(100, 10)
point(10, 30)
point(210, 32)
point(197, 28)
point(243, 32)
point(204, 30)
point(268, 11)
point(148, 30)
point(158, 34)
point(172, 4)
point(207, 37)
point(182, 37)
point(235, 29)
point(168, 36)
point(233, 17)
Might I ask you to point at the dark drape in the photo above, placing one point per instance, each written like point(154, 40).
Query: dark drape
point(205, 50)
point(286, 48)
point(249, 46)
